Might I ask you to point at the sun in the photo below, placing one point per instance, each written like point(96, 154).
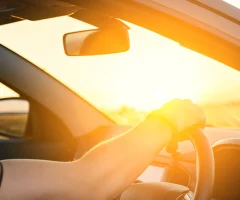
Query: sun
point(154, 72)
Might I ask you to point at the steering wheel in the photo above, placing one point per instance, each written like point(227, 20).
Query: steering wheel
point(167, 191)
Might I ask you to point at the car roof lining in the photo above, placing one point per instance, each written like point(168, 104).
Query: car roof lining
point(34, 9)
point(221, 8)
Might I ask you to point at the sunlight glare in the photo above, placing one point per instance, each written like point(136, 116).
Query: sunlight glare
point(154, 71)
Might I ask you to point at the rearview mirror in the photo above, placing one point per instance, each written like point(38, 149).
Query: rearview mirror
point(96, 41)
point(13, 117)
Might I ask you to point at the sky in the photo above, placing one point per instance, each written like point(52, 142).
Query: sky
point(154, 71)
point(235, 3)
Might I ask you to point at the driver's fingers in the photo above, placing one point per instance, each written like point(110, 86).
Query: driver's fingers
point(199, 116)
point(197, 113)
point(188, 101)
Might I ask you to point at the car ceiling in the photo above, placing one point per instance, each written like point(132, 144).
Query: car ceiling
point(12, 10)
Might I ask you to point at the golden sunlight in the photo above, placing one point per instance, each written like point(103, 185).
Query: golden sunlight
point(152, 72)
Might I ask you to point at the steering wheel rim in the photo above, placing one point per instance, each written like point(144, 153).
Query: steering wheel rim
point(205, 166)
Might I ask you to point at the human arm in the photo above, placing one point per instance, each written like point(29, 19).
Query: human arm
point(104, 172)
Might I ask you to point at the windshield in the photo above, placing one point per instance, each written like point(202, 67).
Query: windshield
point(127, 86)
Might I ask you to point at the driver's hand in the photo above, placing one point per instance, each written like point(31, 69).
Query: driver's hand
point(181, 115)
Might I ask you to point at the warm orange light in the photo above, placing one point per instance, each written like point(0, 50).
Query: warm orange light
point(154, 71)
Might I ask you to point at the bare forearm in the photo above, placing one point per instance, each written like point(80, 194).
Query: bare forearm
point(115, 164)
point(34, 179)
point(102, 173)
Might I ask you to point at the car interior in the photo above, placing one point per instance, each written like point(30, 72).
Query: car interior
point(61, 126)
point(44, 136)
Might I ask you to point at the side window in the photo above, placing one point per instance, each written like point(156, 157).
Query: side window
point(13, 113)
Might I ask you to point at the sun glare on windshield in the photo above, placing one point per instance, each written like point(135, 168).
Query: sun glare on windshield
point(126, 86)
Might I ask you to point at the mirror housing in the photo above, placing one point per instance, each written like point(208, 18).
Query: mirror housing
point(105, 40)
point(13, 117)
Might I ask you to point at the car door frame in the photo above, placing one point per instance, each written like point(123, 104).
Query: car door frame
point(59, 111)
